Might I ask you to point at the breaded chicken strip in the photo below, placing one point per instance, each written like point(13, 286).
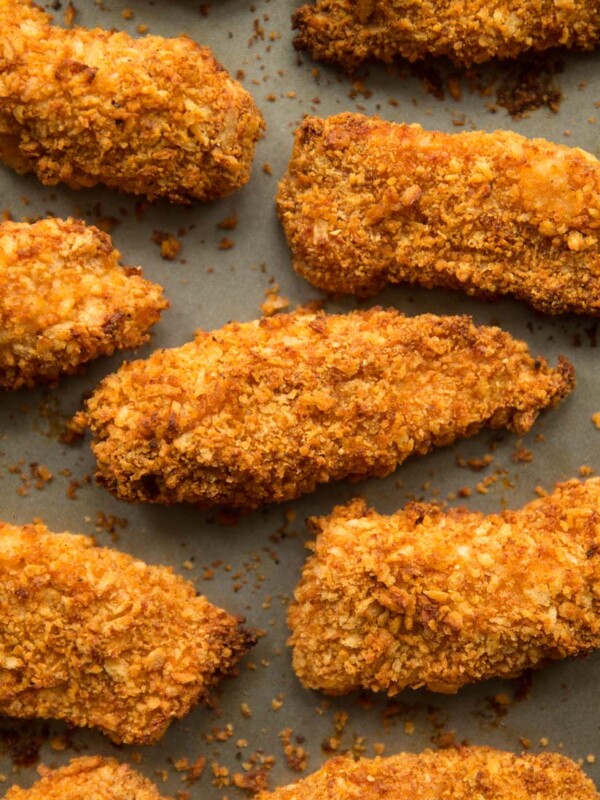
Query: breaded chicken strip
point(468, 773)
point(89, 778)
point(366, 202)
point(153, 116)
point(64, 300)
point(265, 411)
point(100, 639)
point(427, 598)
point(349, 31)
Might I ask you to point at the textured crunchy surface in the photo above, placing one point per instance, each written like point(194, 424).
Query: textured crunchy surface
point(426, 598)
point(64, 300)
point(349, 31)
point(264, 411)
point(153, 116)
point(366, 202)
point(97, 638)
point(89, 778)
point(463, 774)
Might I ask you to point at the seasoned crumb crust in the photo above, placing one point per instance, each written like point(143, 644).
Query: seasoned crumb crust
point(462, 774)
point(97, 638)
point(367, 202)
point(347, 32)
point(64, 300)
point(443, 599)
point(152, 116)
point(265, 411)
point(89, 778)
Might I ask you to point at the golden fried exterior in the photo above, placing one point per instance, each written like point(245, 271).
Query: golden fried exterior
point(366, 202)
point(153, 116)
point(347, 32)
point(265, 411)
point(427, 598)
point(89, 778)
point(100, 639)
point(64, 300)
point(463, 774)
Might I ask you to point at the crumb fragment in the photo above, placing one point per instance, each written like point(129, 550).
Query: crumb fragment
point(170, 245)
point(274, 301)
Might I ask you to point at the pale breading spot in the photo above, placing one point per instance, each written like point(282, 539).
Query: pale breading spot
point(152, 116)
point(462, 774)
point(98, 638)
point(265, 411)
point(367, 202)
point(64, 300)
point(89, 778)
point(347, 32)
point(444, 599)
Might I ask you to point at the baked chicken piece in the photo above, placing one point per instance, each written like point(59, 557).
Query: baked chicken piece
point(462, 774)
point(152, 116)
point(64, 300)
point(265, 411)
point(367, 202)
point(444, 599)
point(349, 31)
point(88, 778)
point(100, 639)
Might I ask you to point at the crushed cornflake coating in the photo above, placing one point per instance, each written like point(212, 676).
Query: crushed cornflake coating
point(97, 638)
point(367, 202)
point(64, 300)
point(444, 599)
point(152, 116)
point(347, 32)
point(456, 774)
point(265, 411)
point(89, 777)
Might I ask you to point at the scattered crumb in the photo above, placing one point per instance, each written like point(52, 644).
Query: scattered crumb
point(274, 302)
point(295, 755)
point(169, 245)
point(229, 223)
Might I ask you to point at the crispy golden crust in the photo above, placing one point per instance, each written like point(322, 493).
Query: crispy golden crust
point(426, 598)
point(264, 411)
point(153, 116)
point(64, 300)
point(366, 202)
point(463, 774)
point(89, 778)
point(97, 638)
point(349, 31)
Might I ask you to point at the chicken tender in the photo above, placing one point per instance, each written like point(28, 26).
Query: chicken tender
point(100, 639)
point(434, 599)
point(348, 32)
point(64, 300)
point(152, 116)
point(89, 778)
point(366, 202)
point(265, 411)
point(463, 774)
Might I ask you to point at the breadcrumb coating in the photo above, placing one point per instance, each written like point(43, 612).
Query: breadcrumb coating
point(366, 202)
point(466, 773)
point(444, 599)
point(152, 116)
point(348, 32)
point(64, 300)
point(98, 638)
point(265, 411)
point(89, 778)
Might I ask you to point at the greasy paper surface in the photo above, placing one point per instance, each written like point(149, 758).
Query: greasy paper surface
point(252, 566)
